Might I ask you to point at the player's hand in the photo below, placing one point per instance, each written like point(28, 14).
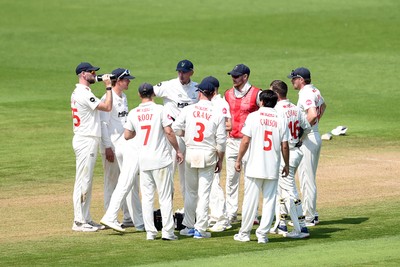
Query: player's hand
point(218, 167)
point(179, 157)
point(238, 166)
point(110, 154)
point(106, 80)
point(285, 171)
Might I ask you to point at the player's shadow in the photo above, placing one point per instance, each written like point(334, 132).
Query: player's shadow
point(352, 220)
point(322, 230)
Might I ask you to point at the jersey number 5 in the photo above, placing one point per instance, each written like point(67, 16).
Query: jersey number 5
point(200, 132)
point(268, 140)
point(75, 117)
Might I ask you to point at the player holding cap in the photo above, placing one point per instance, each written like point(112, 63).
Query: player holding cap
point(152, 127)
point(313, 105)
point(288, 200)
point(85, 108)
point(203, 128)
point(265, 134)
point(177, 94)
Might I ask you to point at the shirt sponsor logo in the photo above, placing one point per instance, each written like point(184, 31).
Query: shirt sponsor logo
point(122, 114)
point(182, 105)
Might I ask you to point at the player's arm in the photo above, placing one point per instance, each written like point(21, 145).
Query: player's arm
point(228, 124)
point(322, 109)
point(244, 145)
point(285, 154)
point(221, 143)
point(312, 115)
point(107, 104)
point(169, 133)
point(105, 135)
point(128, 134)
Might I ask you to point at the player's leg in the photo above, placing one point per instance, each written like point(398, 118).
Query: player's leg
point(111, 174)
point(217, 206)
point(164, 182)
point(232, 179)
point(206, 176)
point(252, 189)
point(269, 190)
point(134, 205)
point(191, 188)
point(148, 189)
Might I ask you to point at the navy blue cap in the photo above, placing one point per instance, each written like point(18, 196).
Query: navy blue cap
point(85, 66)
point(300, 73)
point(122, 74)
point(211, 80)
point(239, 70)
point(146, 89)
point(205, 87)
point(184, 65)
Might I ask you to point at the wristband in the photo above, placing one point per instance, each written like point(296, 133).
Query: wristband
point(108, 88)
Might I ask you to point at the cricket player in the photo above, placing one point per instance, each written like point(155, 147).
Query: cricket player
point(152, 127)
point(113, 146)
point(266, 135)
point(242, 99)
point(85, 108)
point(203, 127)
point(313, 105)
point(218, 216)
point(113, 142)
point(288, 200)
point(177, 94)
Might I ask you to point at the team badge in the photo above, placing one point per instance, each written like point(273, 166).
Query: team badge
point(224, 110)
point(308, 102)
point(159, 84)
point(92, 99)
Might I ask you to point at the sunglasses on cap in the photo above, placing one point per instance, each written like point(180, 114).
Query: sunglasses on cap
point(125, 73)
point(295, 75)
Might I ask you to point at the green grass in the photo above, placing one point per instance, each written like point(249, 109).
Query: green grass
point(351, 47)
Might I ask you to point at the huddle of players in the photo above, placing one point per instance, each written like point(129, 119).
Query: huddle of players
point(193, 124)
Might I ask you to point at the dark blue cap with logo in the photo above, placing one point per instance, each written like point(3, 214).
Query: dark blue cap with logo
point(146, 89)
point(205, 87)
point(211, 80)
point(122, 74)
point(184, 66)
point(300, 73)
point(85, 66)
point(239, 70)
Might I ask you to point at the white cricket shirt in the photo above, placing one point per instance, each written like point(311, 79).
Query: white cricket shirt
point(310, 96)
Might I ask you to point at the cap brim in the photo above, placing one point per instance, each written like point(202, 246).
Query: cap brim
point(232, 73)
point(93, 68)
point(183, 70)
point(129, 77)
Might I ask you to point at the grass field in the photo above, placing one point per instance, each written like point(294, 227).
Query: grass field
point(351, 47)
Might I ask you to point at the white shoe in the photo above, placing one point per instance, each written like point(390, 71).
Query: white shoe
point(113, 225)
point(241, 237)
point(98, 226)
point(169, 237)
point(232, 219)
point(217, 228)
point(295, 234)
point(262, 239)
point(83, 227)
point(187, 231)
point(280, 230)
point(150, 236)
point(198, 234)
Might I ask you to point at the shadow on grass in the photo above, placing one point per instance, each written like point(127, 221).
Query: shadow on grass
point(355, 220)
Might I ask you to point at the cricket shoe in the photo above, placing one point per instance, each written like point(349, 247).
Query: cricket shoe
point(127, 224)
point(262, 239)
point(113, 225)
point(140, 228)
point(295, 234)
point(95, 224)
point(150, 236)
point(83, 227)
point(169, 237)
point(198, 234)
point(280, 230)
point(233, 219)
point(187, 231)
point(219, 228)
point(241, 237)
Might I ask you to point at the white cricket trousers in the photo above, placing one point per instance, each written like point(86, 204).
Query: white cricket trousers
point(160, 180)
point(232, 176)
point(197, 199)
point(311, 149)
point(127, 182)
point(252, 189)
point(181, 167)
point(217, 202)
point(85, 148)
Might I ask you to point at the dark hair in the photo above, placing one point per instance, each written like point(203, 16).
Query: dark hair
point(307, 81)
point(268, 98)
point(279, 87)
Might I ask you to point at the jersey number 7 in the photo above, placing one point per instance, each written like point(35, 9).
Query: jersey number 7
point(147, 128)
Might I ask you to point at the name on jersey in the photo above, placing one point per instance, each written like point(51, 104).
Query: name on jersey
point(122, 114)
point(268, 122)
point(144, 117)
point(291, 113)
point(201, 113)
point(182, 105)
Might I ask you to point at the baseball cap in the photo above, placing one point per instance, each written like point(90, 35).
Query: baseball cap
point(211, 80)
point(205, 87)
point(85, 66)
point(184, 65)
point(122, 74)
point(239, 70)
point(300, 73)
point(146, 89)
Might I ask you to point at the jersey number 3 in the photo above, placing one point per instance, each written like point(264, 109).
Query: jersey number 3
point(200, 132)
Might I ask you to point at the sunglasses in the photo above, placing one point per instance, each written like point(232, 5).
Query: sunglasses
point(93, 72)
point(125, 73)
point(236, 76)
